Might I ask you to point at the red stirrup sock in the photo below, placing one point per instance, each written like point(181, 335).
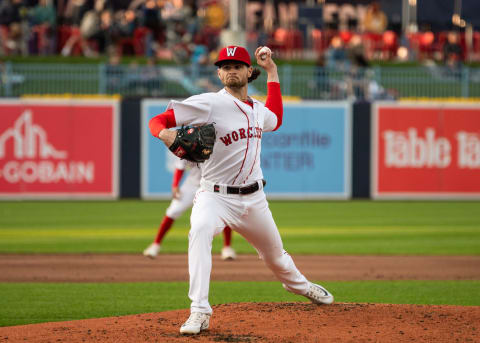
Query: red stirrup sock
point(163, 229)
point(227, 236)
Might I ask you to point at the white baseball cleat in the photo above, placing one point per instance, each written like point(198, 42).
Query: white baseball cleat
point(152, 250)
point(195, 323)
point(318, 295)
point(228, 253)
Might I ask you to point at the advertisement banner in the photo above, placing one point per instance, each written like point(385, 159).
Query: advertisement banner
point(309, 157)
point(426, 150)
point(158, 163)
point(58, 149)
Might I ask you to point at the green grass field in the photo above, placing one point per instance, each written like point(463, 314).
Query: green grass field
point(326, 227)
point(47, 302)
point(342, 227)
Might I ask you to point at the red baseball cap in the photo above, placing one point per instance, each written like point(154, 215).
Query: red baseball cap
point(233, 53)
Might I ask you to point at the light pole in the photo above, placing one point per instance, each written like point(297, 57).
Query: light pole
point(235, 34)
point(409, 16)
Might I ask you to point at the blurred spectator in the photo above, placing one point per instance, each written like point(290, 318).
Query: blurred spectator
point(3, 76)
point(198, 59)
point(8, 15)
point(9, 79)
point(149, 17)
point(118, 5)
point(375, 20)
point(360, 80)
point(357, 83)
point(259, 35)
point(322, 82)
point(89, 27)
point(205, 27)
point(60, 6)
point(356, 52)
point(131, 79)
point(114, 73)
point(216, 16)
point(337, 61)
point(152, 77)
point(75, 10)
point(452, 51)
point(107, 34)
point(336, 55)
point(84, 25)
point(90, 23)
point(43, 18)
point(390, 44)
point(374, 24)
point(178, 15)
point(378, 92)
point(201, 71)
point(125, 22)
point(13, 27)
point(18, 38)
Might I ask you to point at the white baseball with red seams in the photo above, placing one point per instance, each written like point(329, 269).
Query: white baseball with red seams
point(264, 52)
point(235, 161)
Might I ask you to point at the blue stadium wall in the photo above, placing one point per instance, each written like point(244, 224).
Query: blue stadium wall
point(333, 164)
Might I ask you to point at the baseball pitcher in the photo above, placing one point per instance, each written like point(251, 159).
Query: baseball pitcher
point(231, 188)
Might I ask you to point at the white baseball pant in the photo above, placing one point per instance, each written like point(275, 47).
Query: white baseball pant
point(184, 202)
point(248, 215)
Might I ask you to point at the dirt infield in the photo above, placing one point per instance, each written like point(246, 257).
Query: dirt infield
point(251, 322)
point(136, 268)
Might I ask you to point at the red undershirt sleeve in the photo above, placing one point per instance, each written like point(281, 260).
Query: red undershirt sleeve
point(162, 121)
point(274, 101)
point(177, 176)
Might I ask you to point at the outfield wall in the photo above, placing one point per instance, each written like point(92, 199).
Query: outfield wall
point(59, 149)
point(102, 149)
point(309, 157)
point(425, 151)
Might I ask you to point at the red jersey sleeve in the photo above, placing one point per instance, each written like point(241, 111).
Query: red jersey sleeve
point(162, 121)
point(274, 101)
point(177, 176)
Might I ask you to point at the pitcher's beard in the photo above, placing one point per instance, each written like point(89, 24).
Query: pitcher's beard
point(235, 83)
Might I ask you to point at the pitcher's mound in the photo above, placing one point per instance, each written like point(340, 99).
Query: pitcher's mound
point(272, 322)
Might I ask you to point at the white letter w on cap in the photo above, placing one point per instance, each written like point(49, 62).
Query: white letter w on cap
point(231, 51)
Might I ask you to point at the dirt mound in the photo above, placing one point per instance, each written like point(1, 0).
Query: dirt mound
point(272, 322)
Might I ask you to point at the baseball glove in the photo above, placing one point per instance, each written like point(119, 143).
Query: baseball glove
point(194, 144)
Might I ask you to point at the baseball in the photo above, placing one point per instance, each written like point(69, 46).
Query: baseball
point(265, 52)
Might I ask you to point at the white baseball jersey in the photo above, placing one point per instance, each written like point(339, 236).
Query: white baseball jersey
point(236, 154)
point(235, 161)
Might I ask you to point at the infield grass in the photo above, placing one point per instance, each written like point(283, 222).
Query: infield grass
point(326, 227)
point(47, 302)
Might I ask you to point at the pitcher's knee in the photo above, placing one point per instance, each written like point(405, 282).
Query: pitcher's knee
point(279, 262)
point(197, 234)
point(202, 230)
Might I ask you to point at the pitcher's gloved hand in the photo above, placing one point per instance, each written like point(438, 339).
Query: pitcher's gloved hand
point(194, 143)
